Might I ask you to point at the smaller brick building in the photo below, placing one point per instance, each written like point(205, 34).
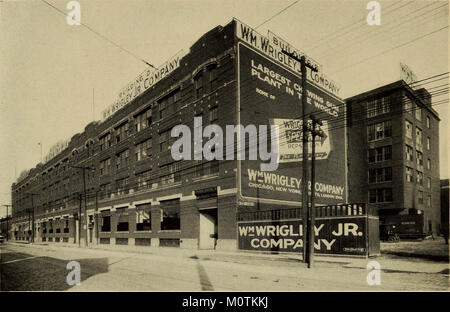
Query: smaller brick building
point(393, 152)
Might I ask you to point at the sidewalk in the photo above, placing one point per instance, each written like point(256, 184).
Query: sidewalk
point(387, 263)
point(427, 249)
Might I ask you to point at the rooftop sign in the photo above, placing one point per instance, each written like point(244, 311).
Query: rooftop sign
point(273, 46)
point(143, 82)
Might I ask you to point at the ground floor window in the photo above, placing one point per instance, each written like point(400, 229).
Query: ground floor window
point(122, 219)
point(105, 222)
point(143, 218)
point(170, 214)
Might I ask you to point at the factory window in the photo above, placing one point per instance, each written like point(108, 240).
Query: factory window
point(378, 175)
point(429, 182)
point(213, 82)
point(409, 129)
point(143, 150)
point(380, 154)
point(170, 214)
point(428, 143)
point(105, 166)
point(122, 186)
point(144, 179)
point(409, 153)
point(165, 140)
point(44, 227)
point(408, 105)
point(429, 200)
point(143, 218)
point(207, 168)
point(173, 176)
point(428, 164)
point(419, 178)
point(213, 115)
point(122, 219)
point(419, 138)
point(105, 141)
point(122, 159)
point(377, 107)
point(122, 132)
point(198, 80)
point(168, 104)
point(379, 130)
point(420, 197)
point(105, 190)
point(66, 224)
point(105, 221)
point(143, 120)
point(419, 158)
point(381, 195)
point(409, 174)
point(418, 113)
point(428, 122)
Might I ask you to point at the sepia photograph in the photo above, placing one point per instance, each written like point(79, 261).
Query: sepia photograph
point(224, 151)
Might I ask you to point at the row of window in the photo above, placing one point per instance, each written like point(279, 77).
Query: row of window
point(384, 195)
point(419, 134)
point(409, 152)
point(412, 107)
point(171, 174)
point(170, 217)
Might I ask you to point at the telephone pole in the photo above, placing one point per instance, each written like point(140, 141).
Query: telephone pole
point(85, 204)
point(312, 208)
point(307, 230)
point(7, 227)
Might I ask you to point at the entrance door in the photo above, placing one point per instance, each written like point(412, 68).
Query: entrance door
point(208, 229)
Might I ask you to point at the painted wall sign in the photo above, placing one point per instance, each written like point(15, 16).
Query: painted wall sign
point(269, 93)
point(332, 236)
point(273, 46)
point(143, 82)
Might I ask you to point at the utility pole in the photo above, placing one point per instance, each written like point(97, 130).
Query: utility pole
point(7, 227)
point(307, 231)
point(96, 216)
point(85, 205)
point(79, 221)
point(32, 213)
point(312, 208)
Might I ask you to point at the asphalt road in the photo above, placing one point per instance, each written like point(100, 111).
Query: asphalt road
point(43, 268)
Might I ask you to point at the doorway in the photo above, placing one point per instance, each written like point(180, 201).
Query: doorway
point(208, 228)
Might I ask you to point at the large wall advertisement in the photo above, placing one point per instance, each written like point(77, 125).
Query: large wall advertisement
point(270, 93)
point(332, 236)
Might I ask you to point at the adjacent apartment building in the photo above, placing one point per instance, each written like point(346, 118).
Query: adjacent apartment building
point(393, 152)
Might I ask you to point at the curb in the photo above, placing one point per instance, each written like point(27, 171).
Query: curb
point(417, 255)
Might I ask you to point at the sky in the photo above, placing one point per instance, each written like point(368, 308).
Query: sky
point(56, 78)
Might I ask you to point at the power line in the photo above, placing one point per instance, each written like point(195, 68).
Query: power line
point(102, 36)
point(267, 20)
point(348, 44)
point(393, 48)
point(333, 34)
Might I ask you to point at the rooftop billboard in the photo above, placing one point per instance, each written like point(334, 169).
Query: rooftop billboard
point(270, 92)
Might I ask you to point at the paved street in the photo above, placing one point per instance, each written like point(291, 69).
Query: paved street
point(40, 267)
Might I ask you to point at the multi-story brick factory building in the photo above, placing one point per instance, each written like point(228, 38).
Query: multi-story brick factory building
point(137, 194)
point(394, 153)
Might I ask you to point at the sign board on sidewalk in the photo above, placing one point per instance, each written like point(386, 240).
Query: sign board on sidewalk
point(345, 236)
